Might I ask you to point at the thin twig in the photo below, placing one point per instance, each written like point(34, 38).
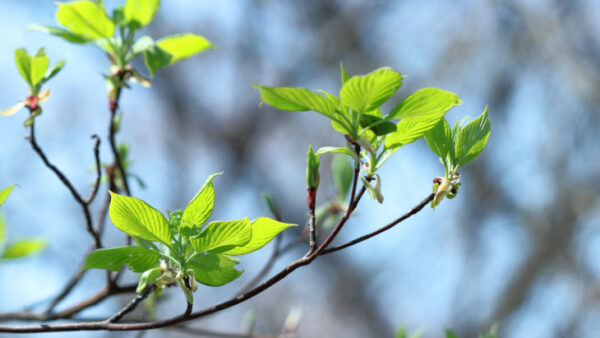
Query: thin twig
point(94, 192)
point(132, 305)
point(400, 219)
point(67, 183)
point(113, 107)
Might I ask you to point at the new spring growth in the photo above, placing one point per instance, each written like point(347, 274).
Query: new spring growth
point(312, 177)
point(374, 191)
point(444, 188)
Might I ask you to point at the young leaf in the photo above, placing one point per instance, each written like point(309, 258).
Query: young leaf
point(136, 218)
point(2, 230)
point(367, 92)
point(296, 99)
point(345, 75)
point(221, 236)
point(201, 206)
point(376, 125)
point(439, 139)
point(23, 248)
point(140, 11)
point(4, 193)
point(312, 169)
point(328, 150)
point(60, 32)
point(425, 104)
point(472, 139)
point(183, 46)
point(410, 130)
point(214, 269)
point(39, 66)
point(264, 230)
point(138, 259)
point(156, 58)
point(23, 62)
point(53, 71)
point(85, 19)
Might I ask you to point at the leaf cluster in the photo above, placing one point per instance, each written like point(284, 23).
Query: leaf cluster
point(181, 247)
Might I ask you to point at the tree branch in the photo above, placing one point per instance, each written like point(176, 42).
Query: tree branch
point(412, 211)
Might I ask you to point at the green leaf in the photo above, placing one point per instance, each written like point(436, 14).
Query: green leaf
point(182, 46)
point(140, 11)
point(136, 218)
point(2, 229)
point(296, 99)
point(39, 66)
point(367, 92)
point(425, 104)
point(312, 168)
point(221, 236)
point(138, 259)
point(23, 248)
point(342, 173)
point(376, 124)
point(60, 32)
point(345, 75)
point(53, 70)
point(86, 19)
point(214, 269)
point(450, 334)
point(328, 150)
point(472, 139)
point(5, 192)
point(410, 130)
point(439, 140)
point(156, 58)
point(201, 206)
point(23, 62)
point(264, 229)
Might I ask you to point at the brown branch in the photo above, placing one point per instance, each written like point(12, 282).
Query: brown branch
point(132, 305)
point(113, 107)
point(305, 260)
point(94, 192)
point(67, 183)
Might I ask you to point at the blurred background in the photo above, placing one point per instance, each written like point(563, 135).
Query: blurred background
point(518, 246)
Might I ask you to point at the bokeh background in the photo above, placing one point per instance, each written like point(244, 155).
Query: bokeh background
point(518, 246)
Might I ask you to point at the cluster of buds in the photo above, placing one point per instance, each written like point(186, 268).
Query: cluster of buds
point(163, 276)
point(443, 187)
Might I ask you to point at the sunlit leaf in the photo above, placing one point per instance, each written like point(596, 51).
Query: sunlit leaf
point(367, 92)
point(136, 218)
point(60, 32)
point(296, 99)
point(214, 269)
point(201, 206)
point(182, 46)
point(23, 248)
point(140, 11)
point(4, 193)
point(138, 259)
point(472, 139)
point(264, 229)
point(86, 19)
point(221, 236)
point(425, 104)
